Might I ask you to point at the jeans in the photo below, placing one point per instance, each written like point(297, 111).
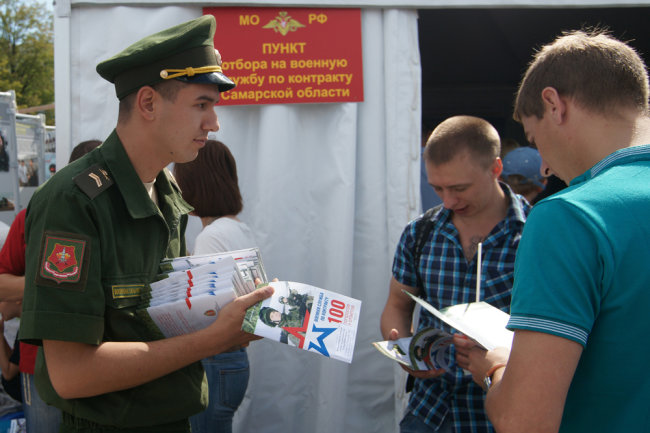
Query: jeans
point(40, 417)
point(413, 424)
point(227, 375)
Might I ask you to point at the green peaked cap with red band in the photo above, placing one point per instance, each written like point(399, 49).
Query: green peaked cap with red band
point(184, 52)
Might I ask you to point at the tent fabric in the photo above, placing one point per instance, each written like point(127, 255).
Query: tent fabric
point(327, 190)
point(402, 4)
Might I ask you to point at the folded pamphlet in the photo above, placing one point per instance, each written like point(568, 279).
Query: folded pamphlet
point(430, 347)
point(308, 318)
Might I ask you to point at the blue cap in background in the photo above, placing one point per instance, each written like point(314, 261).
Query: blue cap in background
point(526, 162)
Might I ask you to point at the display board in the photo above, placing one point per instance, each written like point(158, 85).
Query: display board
point(23, 156)
point(9, 195)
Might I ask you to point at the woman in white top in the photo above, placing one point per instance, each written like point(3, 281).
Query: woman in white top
point(209, 184)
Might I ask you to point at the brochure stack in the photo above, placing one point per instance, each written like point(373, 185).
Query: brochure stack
point(190, 291)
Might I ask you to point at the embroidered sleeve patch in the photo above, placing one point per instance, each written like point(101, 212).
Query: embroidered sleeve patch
point(63, 258)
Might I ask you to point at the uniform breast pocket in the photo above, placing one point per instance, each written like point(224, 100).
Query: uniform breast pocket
point(123, 320)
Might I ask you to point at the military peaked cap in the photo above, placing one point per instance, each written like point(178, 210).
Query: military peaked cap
point(184, 52)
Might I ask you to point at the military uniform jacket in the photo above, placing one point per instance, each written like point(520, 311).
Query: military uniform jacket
point(94, 242)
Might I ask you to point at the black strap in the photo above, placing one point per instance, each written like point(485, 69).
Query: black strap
point(423, 228)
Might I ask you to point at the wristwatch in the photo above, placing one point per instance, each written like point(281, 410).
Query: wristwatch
point(487, 380)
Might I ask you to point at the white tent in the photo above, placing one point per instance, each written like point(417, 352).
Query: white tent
point(327, 190)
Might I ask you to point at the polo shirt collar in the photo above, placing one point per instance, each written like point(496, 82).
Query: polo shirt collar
point(621, 156)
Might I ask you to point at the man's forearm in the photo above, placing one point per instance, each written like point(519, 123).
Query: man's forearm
point(82, 370)
point(529, 394)
point(11, 287)
point(398, 311)
point(5, 354)
point(394, 318)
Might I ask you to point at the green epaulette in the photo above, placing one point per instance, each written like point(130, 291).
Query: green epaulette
point(93, 181)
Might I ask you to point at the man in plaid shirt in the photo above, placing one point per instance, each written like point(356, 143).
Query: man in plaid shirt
point(463, 166)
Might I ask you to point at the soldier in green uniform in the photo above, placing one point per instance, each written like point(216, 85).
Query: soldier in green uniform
point(96, 233)
point(296, 299)
point(293, 318)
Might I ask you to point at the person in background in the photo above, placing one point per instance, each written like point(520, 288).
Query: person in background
point(507, 146)
point(83, 148)
point(463, 167)
point(553, 185)
point(427, 194)
point(522, 171)
point(32, 173)
point(96, 233)
point(22, 173)
point(210, 185)
point(40, 417)
point(579, 310)
point(9, 357)
point(4, 155)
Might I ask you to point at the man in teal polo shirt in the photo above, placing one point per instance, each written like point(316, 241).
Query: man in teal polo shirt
point(579, 304)
point(96, 233)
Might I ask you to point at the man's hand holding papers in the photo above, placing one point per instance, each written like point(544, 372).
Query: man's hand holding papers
point(192, 292)
point(427, 353)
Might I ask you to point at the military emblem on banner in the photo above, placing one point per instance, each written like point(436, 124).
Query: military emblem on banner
point(62, 259)
point(283, 24)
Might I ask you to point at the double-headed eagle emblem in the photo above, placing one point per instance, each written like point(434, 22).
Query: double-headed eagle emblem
point(283, 24)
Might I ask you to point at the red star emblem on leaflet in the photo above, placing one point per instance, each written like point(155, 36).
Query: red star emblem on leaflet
point(299, 332)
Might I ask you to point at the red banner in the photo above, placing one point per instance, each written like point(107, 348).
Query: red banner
point(290, 55)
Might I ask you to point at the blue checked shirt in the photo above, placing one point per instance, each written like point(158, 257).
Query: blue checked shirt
point(449, 280)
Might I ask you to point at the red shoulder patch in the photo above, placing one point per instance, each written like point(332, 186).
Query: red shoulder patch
point(62, 258)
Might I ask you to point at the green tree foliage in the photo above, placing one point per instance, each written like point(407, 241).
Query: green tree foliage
point(27, 52)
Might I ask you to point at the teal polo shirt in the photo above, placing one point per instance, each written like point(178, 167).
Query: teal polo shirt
point(581, 273)
point(94, 242)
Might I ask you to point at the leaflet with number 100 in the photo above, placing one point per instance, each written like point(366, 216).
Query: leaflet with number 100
point(308, 318)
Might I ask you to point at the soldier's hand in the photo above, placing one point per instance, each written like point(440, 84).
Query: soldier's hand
point(258, 282)
point(229, 321)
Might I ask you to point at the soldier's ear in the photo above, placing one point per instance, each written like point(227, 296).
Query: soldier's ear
point(145, 102)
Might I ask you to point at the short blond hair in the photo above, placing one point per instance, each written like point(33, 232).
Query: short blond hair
point(463, 133)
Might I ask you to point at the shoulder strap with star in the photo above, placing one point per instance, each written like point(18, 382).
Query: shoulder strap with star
point(93, 180)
